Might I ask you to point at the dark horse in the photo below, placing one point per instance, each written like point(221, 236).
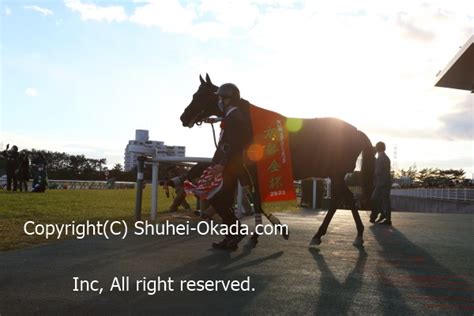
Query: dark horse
point(321, 148)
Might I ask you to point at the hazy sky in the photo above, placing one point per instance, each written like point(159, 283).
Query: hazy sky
point(80, 76)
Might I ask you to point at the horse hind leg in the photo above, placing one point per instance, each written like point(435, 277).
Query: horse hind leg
point(335, 197)
point(349, 198)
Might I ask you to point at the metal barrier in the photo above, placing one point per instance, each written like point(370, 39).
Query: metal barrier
point(154, 183)
point(466, 195)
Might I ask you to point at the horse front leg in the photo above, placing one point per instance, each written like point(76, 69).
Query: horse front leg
point(253, 241)
point(316, 240)
point(254, 197)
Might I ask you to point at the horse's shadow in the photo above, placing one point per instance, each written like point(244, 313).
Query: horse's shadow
point(336, 298)
point(215, 265)
point(427, 282)
point(218, 261)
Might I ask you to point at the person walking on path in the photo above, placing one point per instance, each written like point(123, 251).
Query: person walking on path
point(382, 184)
point(228, 160)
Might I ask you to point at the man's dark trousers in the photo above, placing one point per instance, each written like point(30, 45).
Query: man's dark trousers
point(12, 179)
point(381, 202)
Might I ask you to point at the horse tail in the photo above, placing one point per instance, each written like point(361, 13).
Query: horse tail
point(367, 170)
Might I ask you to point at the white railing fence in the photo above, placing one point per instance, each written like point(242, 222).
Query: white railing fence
point(90, 185)
point(461, 194)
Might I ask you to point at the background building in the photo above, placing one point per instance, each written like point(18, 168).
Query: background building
point(158, 147)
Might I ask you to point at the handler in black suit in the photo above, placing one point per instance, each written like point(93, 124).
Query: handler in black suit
point(382, 183)
point(228, 159)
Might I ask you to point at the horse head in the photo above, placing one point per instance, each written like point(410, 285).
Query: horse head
point(203, 104)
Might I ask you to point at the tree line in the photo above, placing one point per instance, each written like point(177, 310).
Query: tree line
point(426, 177)
point(431, 177)
point(64, 166)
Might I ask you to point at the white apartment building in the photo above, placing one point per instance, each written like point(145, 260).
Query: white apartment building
point(158, 147)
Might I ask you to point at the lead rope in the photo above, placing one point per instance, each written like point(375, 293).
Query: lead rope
point(214, 134)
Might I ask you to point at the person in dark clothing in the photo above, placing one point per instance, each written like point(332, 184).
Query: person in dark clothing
point(39, 173)
point(175, 179)
point(228, 159)
point(12, 166)
point(23, 170)
point(382, 185)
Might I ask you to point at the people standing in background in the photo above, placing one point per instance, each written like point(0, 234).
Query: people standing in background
point(382, 185)
point(12, 165)
point(39, 173)
point(23, 170)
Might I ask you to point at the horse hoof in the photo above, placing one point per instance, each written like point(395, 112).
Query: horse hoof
point(286, 235)
point(358, 242)
point(315, 241)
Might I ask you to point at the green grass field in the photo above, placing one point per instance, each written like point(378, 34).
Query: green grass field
point(64, 206)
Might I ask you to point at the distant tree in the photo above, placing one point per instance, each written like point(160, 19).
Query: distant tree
point(116, 171)
point(410, 173)
point(422, 174)
point(117, 167)
point(100, 163)
point(61, 165)
point(434, 177)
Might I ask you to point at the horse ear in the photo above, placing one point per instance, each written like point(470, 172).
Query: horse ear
point(202, 80)
point(208, 79)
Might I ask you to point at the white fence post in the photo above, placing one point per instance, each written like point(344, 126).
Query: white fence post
point(155, 163)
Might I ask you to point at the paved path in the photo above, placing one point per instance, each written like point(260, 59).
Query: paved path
point(422, 265)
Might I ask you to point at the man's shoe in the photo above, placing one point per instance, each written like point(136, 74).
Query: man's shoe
point(233, 243)
point(386, 222)
point(380, 219)
point(222, 245)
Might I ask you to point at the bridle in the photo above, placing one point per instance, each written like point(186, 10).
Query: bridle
point(214, 134)
point(199, 118)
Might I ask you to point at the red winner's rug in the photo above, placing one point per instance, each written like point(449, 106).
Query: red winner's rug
point(271, 152)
